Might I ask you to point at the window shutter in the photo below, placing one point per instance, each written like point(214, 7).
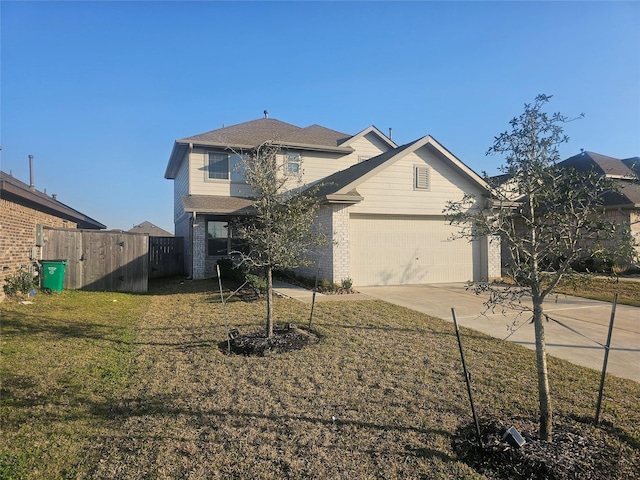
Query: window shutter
point(422, 178)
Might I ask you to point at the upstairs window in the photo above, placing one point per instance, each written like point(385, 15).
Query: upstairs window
point(292, 161)
point(421, 178)
point(219, 166)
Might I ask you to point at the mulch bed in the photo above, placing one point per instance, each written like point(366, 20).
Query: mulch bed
point(578, 451)
point(285, 338)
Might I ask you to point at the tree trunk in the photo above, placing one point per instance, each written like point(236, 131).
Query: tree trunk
point(544, 395)
point(269, 329)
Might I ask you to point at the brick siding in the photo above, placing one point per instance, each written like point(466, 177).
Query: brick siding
point(494, 258)
point(332, 260)
point(199, 259)
point(18, 236)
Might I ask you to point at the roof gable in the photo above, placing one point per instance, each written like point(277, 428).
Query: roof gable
point(366, 131)
point(346, 181)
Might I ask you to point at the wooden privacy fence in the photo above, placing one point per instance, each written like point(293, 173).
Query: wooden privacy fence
point(111, 261)
point(165, 257)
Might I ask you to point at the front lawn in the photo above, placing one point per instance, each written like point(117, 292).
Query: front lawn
point(602, 288)
point(102, 385)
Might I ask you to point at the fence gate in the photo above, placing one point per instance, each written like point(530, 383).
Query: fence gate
point(165, 257)
point(111, 261)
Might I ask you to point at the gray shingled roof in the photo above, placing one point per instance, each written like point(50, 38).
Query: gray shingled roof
point(631, 191)
point(634, 164)
point(13, 189)
point(150, 229)
point(250, 134)
point(217, 205)
point(255, 132)
point(625, 173)
point(585, 161)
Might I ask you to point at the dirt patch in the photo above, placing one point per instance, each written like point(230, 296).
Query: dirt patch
point(578, 450)
point(285, 339)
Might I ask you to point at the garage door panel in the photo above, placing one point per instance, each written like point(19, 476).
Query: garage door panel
point(389, 250)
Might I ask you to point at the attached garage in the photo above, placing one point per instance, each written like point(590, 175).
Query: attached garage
point(407, 249)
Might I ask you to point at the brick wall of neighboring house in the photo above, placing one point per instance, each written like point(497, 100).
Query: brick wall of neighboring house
point(627, 218)
point(634, 219)
point(18, 235)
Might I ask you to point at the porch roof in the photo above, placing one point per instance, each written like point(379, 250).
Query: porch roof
point(217, 205)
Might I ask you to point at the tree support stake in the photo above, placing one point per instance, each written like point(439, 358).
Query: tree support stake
point(466, 377)
point(606, 358)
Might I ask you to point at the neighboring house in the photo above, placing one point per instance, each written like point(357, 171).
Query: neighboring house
point(22, 209)
point(623, 206)
point(150, 229)
point(382, 206)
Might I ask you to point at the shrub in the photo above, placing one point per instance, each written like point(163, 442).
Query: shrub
point(21, 282)
point(228, 270)
point(327, 286)
point(257, 282)
point(347, 283)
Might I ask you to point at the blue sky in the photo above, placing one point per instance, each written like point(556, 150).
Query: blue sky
point(98, 91)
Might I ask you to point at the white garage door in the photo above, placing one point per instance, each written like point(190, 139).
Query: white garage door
point(403, 250)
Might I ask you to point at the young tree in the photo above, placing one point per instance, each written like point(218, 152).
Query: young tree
point(281, 234)
point(546, 216)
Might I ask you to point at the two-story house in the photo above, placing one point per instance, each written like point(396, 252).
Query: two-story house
point(622, 206)
point(382, 208)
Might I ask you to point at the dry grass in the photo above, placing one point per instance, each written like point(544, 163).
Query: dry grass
point(379, 396)
point(601, 288)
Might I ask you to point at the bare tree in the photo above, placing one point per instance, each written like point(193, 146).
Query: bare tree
point(547, 217)
point(281, 234)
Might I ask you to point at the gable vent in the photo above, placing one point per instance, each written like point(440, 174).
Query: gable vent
point(421, 178)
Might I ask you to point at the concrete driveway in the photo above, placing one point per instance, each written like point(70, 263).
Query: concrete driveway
point(588, 317)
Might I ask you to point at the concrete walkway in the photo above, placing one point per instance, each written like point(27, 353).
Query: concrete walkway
point(588, 317)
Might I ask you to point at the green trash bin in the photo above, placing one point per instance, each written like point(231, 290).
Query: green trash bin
point(53, 274)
